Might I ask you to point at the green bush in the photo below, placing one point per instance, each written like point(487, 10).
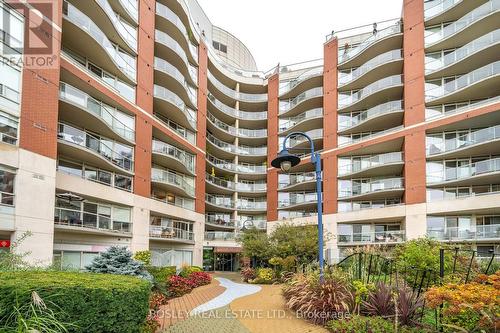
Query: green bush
point(361, 324)
point(161, 274)
point(187, 270)
point(264, 276)
point(92, 302)
point(143, 256)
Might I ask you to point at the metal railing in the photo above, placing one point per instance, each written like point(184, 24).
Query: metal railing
point(171, 178)
point(438, 7)
point(88, 220)
point(478, 232)
point(293, 121)
point(221, 235)
point(464, 140)
point(246, 115)
point(170, 97)
point(370, 162)
point(346, 122)
point(289, 85)
point(131, 7)
point(187, 134)
point(372, 186)
point(186, 203)
point(287, 105)
point(387, 82)
point(222, 201)
point(220, 182)
point(125, 30)
point(464, 172)
point(251, 205)
point(251, 187)
point(218, 221)
point(373, 237)
point(187, 159)
point(296, 178)
point(221, 144)
point(165, 232)
point(169, 42)
point(169, 69)
point(247, 97)
point(297, 198)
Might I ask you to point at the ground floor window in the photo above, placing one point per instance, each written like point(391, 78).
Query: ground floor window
point(73, 259)
point(171, 257)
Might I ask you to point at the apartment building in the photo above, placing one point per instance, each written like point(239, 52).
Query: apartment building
point(155, 130)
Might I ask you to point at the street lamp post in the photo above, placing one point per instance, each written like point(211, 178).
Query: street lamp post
point(285, 161)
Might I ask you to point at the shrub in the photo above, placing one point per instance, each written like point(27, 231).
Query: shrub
point(200, 278)
point(143, 256)
point(92, 302)
point(275, 261)
point(118, 260)
point(161, 274)
point(289, 263)
point(187, 270)
point(468, 305)
point(264, 276)
point(248, 273)
point(379, 302)
point(317, 302)
point(359, 324)
point(178, 285)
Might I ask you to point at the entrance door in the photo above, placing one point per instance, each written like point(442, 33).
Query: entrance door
point(224, 262)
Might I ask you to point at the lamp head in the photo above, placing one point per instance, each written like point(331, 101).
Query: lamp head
point(285, 161)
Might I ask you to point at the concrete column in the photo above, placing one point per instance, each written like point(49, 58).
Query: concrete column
point(416, 221)
point(140, 229)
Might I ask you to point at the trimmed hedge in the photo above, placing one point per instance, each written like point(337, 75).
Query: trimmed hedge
point(161, 274)
point(93, 302)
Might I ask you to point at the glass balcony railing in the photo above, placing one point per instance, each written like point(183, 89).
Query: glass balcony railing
point(125, 62)
point(251, 168)
point(434, 8)
point(187, 159)
point(371, 186)
point(288, 105)
point(294, 141)
point(167, 68)
point(287, 123)
point(349, 99)
point(168, 177)
point(354, 206)
point(190, 136)
point(177, 201)
point(219, 221)
point(246, 97)
point(346, 122)
point(251, 187)
point(465, 171)
point(297, 198)
point(221, 164)
point(373, 237)
point(244, 204)
point(478, 232)
point(172, 44)
point(220, 236)
point(88, 220)
point(106, 113)
point(252, 133)
point(253, 151)
point(222, 125)
point(230, 148)
point(295, 214)
point(381, 59)
point(364, 163)
point(221, 182)
point(291, 179)
point(131, 7)
point(236, 113)
point(164, 232)
point(114, 152)
point(350, 53)
point(463, 52)
point(170, 16)
point(127, 32)
point(221, 201)
point(240, 168)
point(465, 140)
point(463, 81)
point(289, 85)
point(172, 98)
point(475, 15)
point(241, 132)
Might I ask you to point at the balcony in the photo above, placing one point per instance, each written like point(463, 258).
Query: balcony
point(127, 8)
point(475, 233)
point(354, 206)
point(72, 220)
point(178, 159)
point(183, 132)
point(173, 107)
point(439, 11)
point(475, 143)
point(478, 173)
point(178, 201)
point(81, 108)
point(105, 53)
point(297, 200)
point(297, 181)
point(236, 95)
point(248, 169)
point(220, 202)
point(221, 236)
point(219, 222)
point(251, 151)
point(383, 40)
point(478, 84)
point(223, 185)
point(378, 92)
point(383, 65)
point(305, 81)
point(384, 237)
point(251, 205)
point(225, 111)
point(302, 122)
point(168, 48)
point(98, 151)
point(251, 187)
point(470, 26)
point(169, 22)
point(371, 189)
point(475, 54)
point(382, 116)
point(308, 99)
point(300, 142)
point(370, 166)
point(157, 232)
point(165, 72)
point(172, 182)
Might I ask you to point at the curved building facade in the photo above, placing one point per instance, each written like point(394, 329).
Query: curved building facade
point(160, 135)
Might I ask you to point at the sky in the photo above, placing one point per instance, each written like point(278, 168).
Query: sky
point(291, 31)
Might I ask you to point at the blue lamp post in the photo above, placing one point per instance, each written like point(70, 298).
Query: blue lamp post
point(285, 161)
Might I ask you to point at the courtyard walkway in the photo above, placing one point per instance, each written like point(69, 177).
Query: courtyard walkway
point(229, 306)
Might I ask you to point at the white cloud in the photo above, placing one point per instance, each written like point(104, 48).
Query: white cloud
point(290, 31)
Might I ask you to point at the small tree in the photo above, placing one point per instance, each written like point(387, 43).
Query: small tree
point(255, 244)
point(118, 260)
point(13, 259)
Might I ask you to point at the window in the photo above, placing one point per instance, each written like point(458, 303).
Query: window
point(8, 128)
point(74, 259)
point(219, 46)
point(7, 178)
point(171, 257)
